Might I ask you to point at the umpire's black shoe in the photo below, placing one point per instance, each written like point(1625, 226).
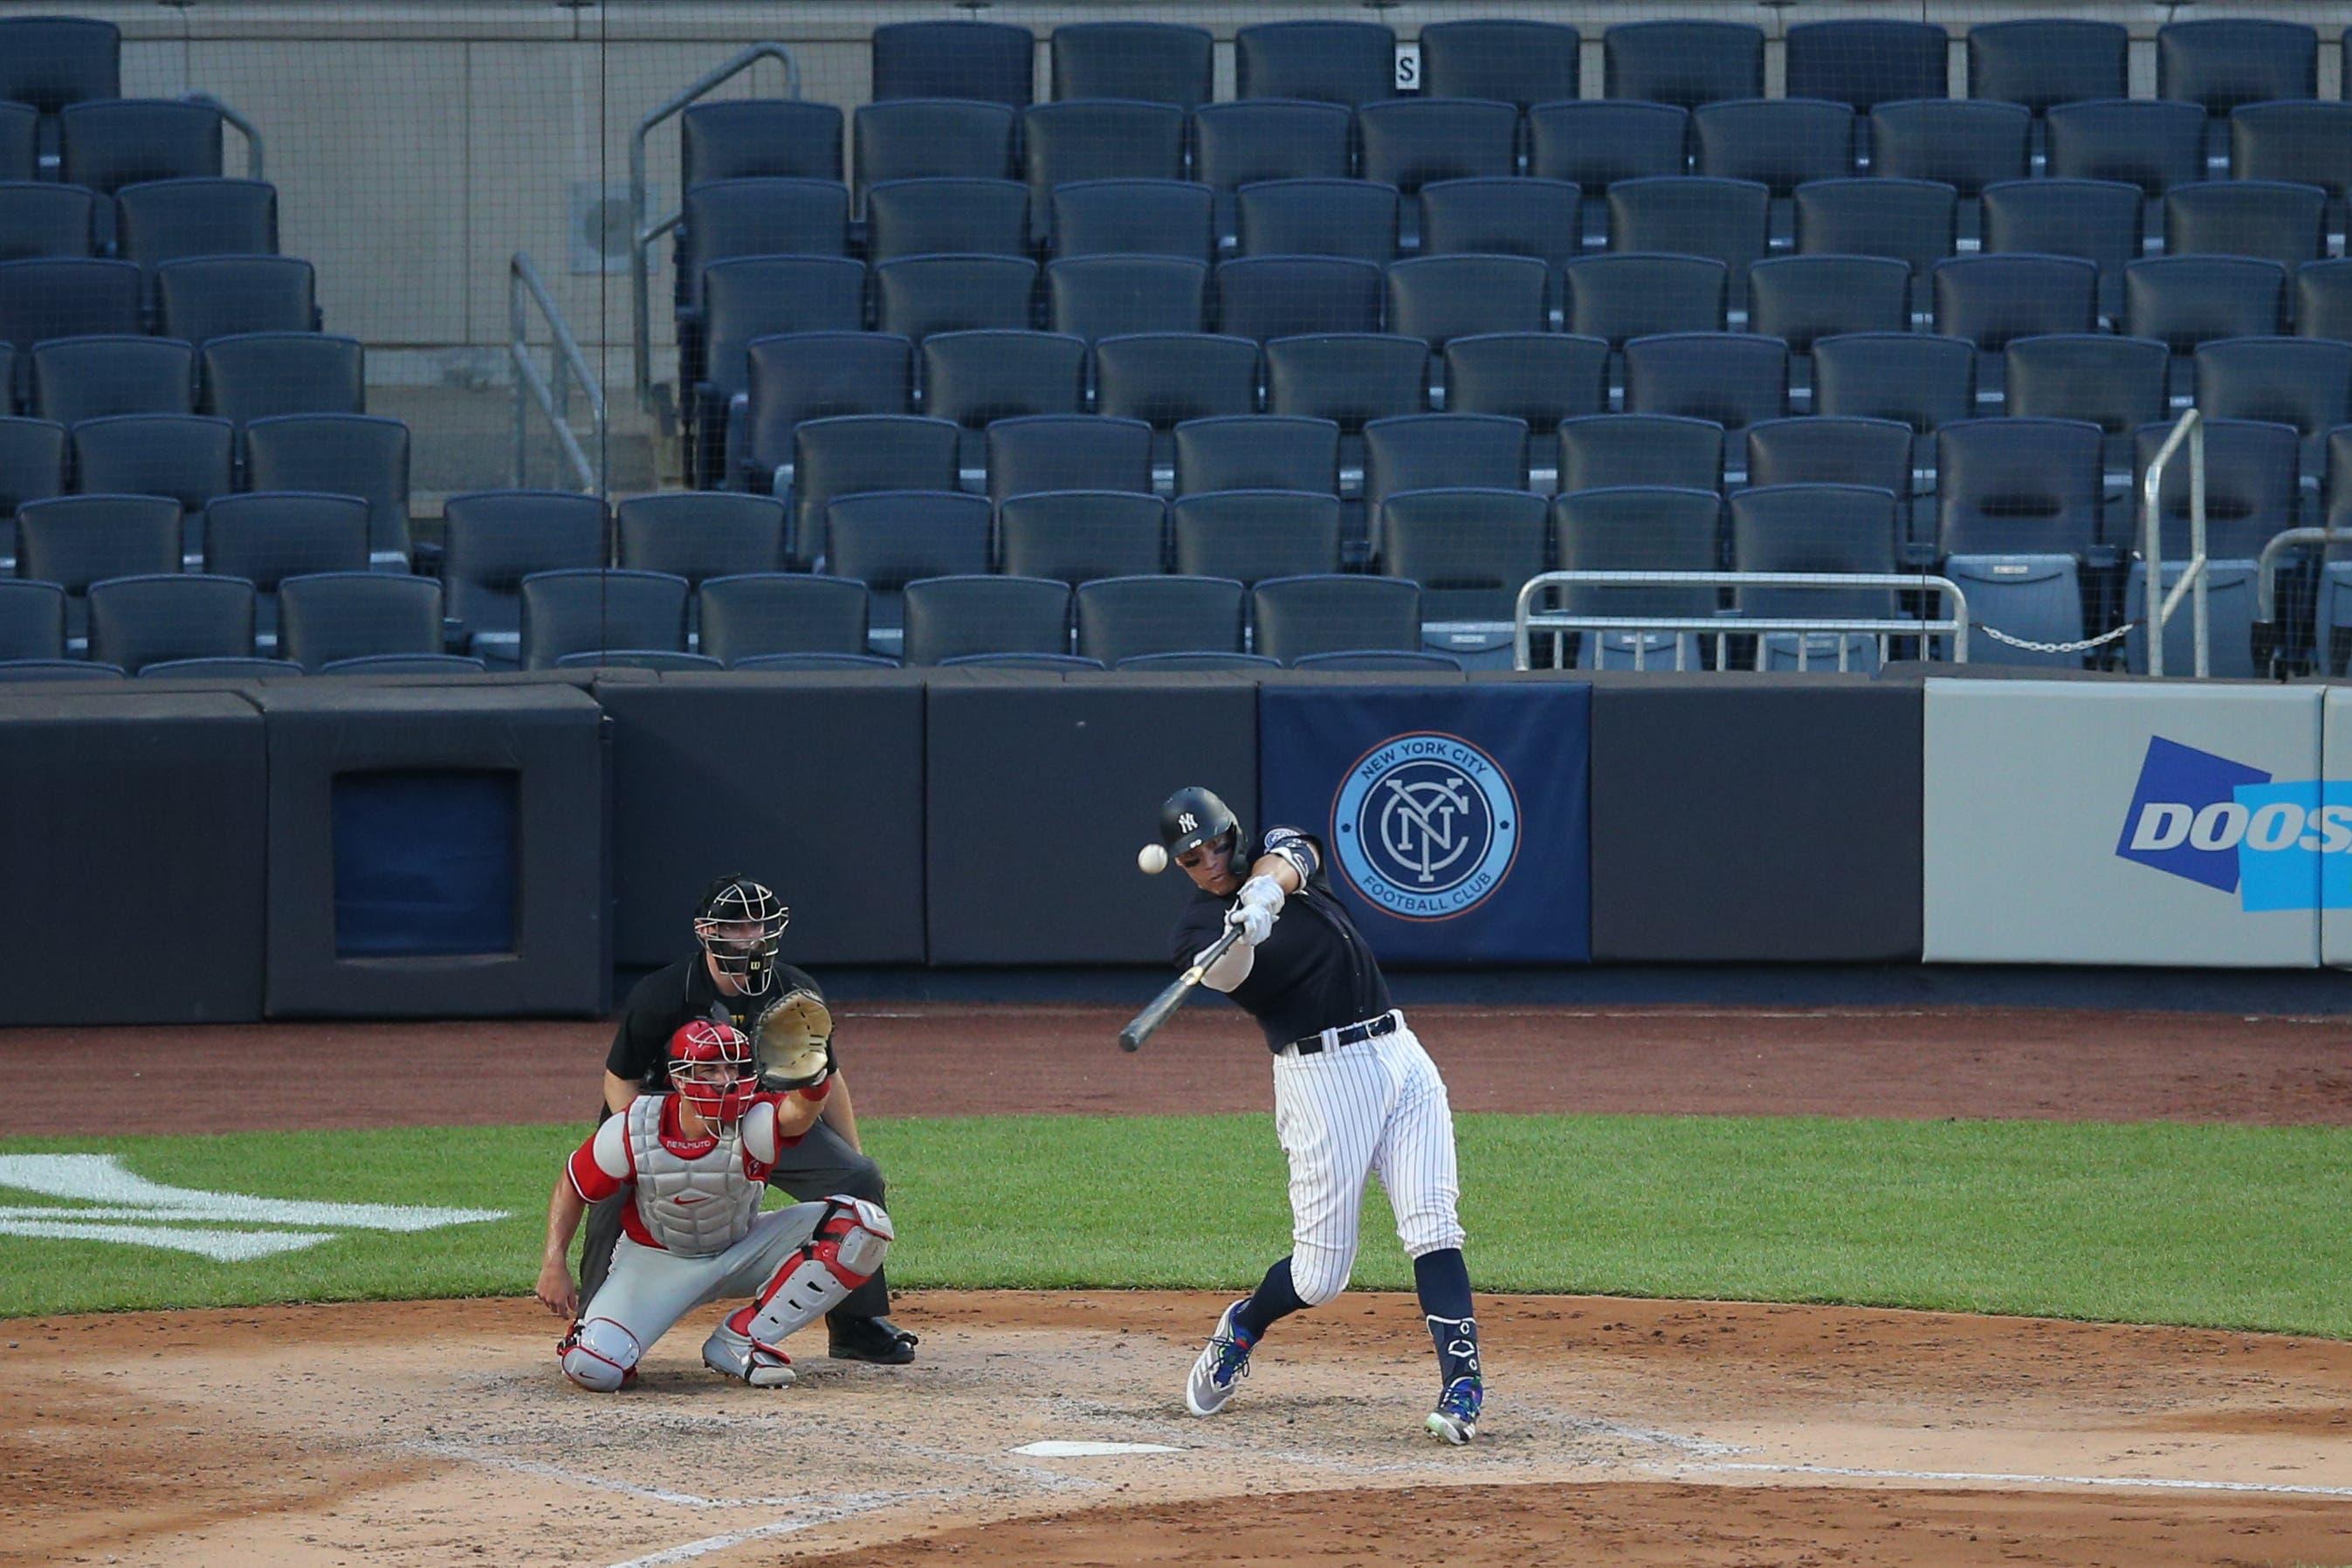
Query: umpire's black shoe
point(878, 1340)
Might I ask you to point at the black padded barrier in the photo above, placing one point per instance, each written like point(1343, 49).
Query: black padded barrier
point(132, 835)
point(1756, 819)
point(548, 738)
point(811, 782)
point(1040, 792)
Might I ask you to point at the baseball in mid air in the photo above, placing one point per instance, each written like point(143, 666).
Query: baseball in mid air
point(1152, 859)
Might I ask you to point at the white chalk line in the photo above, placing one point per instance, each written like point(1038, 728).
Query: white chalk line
point(1990, 1478)
point(846, 1508)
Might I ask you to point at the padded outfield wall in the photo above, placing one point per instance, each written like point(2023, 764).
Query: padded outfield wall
point(430, 848)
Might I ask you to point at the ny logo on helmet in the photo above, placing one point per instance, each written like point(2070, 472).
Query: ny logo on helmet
point(1188, 823)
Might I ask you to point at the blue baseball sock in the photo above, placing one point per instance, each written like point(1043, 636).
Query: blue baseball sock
point(1442, 1282)
point(1275, 1297)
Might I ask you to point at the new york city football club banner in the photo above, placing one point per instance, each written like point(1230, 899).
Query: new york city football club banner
point(1456, 818)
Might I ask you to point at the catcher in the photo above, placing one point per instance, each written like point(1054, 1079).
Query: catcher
point(690, 1165)
point(734, 978)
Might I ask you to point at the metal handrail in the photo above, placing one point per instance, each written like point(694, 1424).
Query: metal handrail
point(2189, 428)
point(1525, 619)
point(2266, 563)
point(245, 128)
point(642, 232)
point(524, 283)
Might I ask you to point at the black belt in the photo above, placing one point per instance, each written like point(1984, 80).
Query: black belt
point(1346, 1034)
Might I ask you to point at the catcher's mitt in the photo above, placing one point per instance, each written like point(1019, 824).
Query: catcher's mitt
point(792, 1041)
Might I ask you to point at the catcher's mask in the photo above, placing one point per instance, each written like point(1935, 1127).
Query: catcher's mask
point(739, 923)
point(710, 1064)
point(1194, 817)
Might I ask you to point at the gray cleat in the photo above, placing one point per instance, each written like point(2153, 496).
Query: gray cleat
point(1456, 1419)
point(1223, 1362)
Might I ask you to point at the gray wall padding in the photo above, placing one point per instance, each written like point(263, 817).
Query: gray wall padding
point(1770, 819)
point(551, 734)
point(132, 831)
point(1040, 795)
point(813, 784)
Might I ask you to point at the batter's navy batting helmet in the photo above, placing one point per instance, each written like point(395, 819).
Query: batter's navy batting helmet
point(1193, 816)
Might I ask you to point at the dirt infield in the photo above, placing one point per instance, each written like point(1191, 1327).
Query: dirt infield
point(1633, 1432)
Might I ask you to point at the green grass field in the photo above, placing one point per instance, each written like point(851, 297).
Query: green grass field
point(2228, 1227)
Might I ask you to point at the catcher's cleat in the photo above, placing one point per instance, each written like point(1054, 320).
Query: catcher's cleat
point(731, 1352)
point(875, 1340)
point(1456, 1419)
point(1223, 1362)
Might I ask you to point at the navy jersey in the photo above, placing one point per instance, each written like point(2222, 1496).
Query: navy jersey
point(1314, 972)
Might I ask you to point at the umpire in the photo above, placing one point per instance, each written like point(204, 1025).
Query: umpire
point(737, 925)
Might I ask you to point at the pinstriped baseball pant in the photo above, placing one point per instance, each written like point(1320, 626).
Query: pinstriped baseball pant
point(1376, 1108)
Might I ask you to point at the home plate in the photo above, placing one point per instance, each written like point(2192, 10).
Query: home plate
point(1053, 1450)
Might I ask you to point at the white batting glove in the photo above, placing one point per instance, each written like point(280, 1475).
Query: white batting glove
point(1256, 924)
point(1262, 893)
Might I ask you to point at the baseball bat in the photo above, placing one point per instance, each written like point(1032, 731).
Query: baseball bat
point(1138, 1029)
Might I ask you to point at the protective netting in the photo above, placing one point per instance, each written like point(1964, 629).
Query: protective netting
point(1069, 334)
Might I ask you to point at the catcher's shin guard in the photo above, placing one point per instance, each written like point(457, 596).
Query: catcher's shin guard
point(599, 1355)
point(840, 1255)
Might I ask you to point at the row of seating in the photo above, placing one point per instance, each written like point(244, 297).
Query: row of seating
point(2037, 62)
point(196, 298)
point(241, 378)
point(153, 221)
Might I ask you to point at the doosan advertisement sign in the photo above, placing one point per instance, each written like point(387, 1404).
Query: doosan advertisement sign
point(2099, 822)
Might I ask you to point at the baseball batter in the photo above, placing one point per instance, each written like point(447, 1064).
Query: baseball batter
point(1354, 1095)
point(692, 1165)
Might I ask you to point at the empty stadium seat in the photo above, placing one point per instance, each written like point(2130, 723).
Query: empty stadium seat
point(1595, 143)
point(74, 379)
point(67, 297)
point(1068, 452)
point(1539, 377)
point(1733, 379)
point(1414, 142)
point(1798, 298)
point(2303, 143)
point(2046, 62)
point(1989, 300)
point(928, 138)
point(2322, 299)
point(1329, 62)
point(1263, 451)
point(1165, 378)
point(15, 671)
point(1119, 618)
point(1685, 63)
point(40, 219)
point(1099, 139)
point(1077, 535)
point(1923, 381)
point(404, 664)
point(1725, 220)
point(1831, 450)
point(1610, 451)
point(341, 616)
point(2251, 488)
point(2097, 221)
point(168, 220)
point(2220, 63)
point(1392, 660)
point(2116, 383)
point(1515, 216)
point(1619, 298)
point(2032, 597)
point(1914, 221)
point(1236, 144)
point(976, 377)
point(107, 144)
point(1866, 61)
point(759, 215)
point(1521, 63)
point(2184, 301)
point(49, 62)
point(988, 61)
point(2303, 382)
point(32, 468)
point(228, 667)
point(2150, 143)
point(947, 616)
point(186, 456)
point(137, 621)
point(20, 140)
point(1134, 217)
point(1264, 297)
point(1440, 297)
point(32, 620)
point(758, 138)
point(819, 661)
point(636, 658)
point(700, 535)
point(1469, 550)
point(267, 536)
point(347, 454)
point(1248, 535)
point(1778, 142)
point(2013, 487)
point(1093, 297)
point(1349, 377)
point(2267, 219)
point(1046, 661)
point(773, 613)
point(1296, 616)
point(797, 377)
point(1354, 218)
point(886, 539)
point(1429, 451)
point(1965, 145)
point(2230, 612)
point(200, 297)
point(849, 454)
point(1156, 62)
point(915, 296)
point(590, 611)
point(1814, 528)
point(1637, 528)
point(253, 375)
point(495, 539)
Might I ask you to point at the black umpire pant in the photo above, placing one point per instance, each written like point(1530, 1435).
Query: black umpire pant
point(821, 1164)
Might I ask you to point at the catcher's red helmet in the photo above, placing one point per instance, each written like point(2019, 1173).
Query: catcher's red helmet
point(710, 1064)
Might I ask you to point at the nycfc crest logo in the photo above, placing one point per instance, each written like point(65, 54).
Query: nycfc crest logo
point(1426, 826)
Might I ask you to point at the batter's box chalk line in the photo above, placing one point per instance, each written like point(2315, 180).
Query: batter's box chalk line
point(1052, 1448)
point(1982, 1477)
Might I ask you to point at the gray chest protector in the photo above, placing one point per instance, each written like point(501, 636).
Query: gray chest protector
point(694, 1207)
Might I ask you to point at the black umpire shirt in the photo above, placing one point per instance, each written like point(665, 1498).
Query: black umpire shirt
point(669, 999)
point(1314, 972)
